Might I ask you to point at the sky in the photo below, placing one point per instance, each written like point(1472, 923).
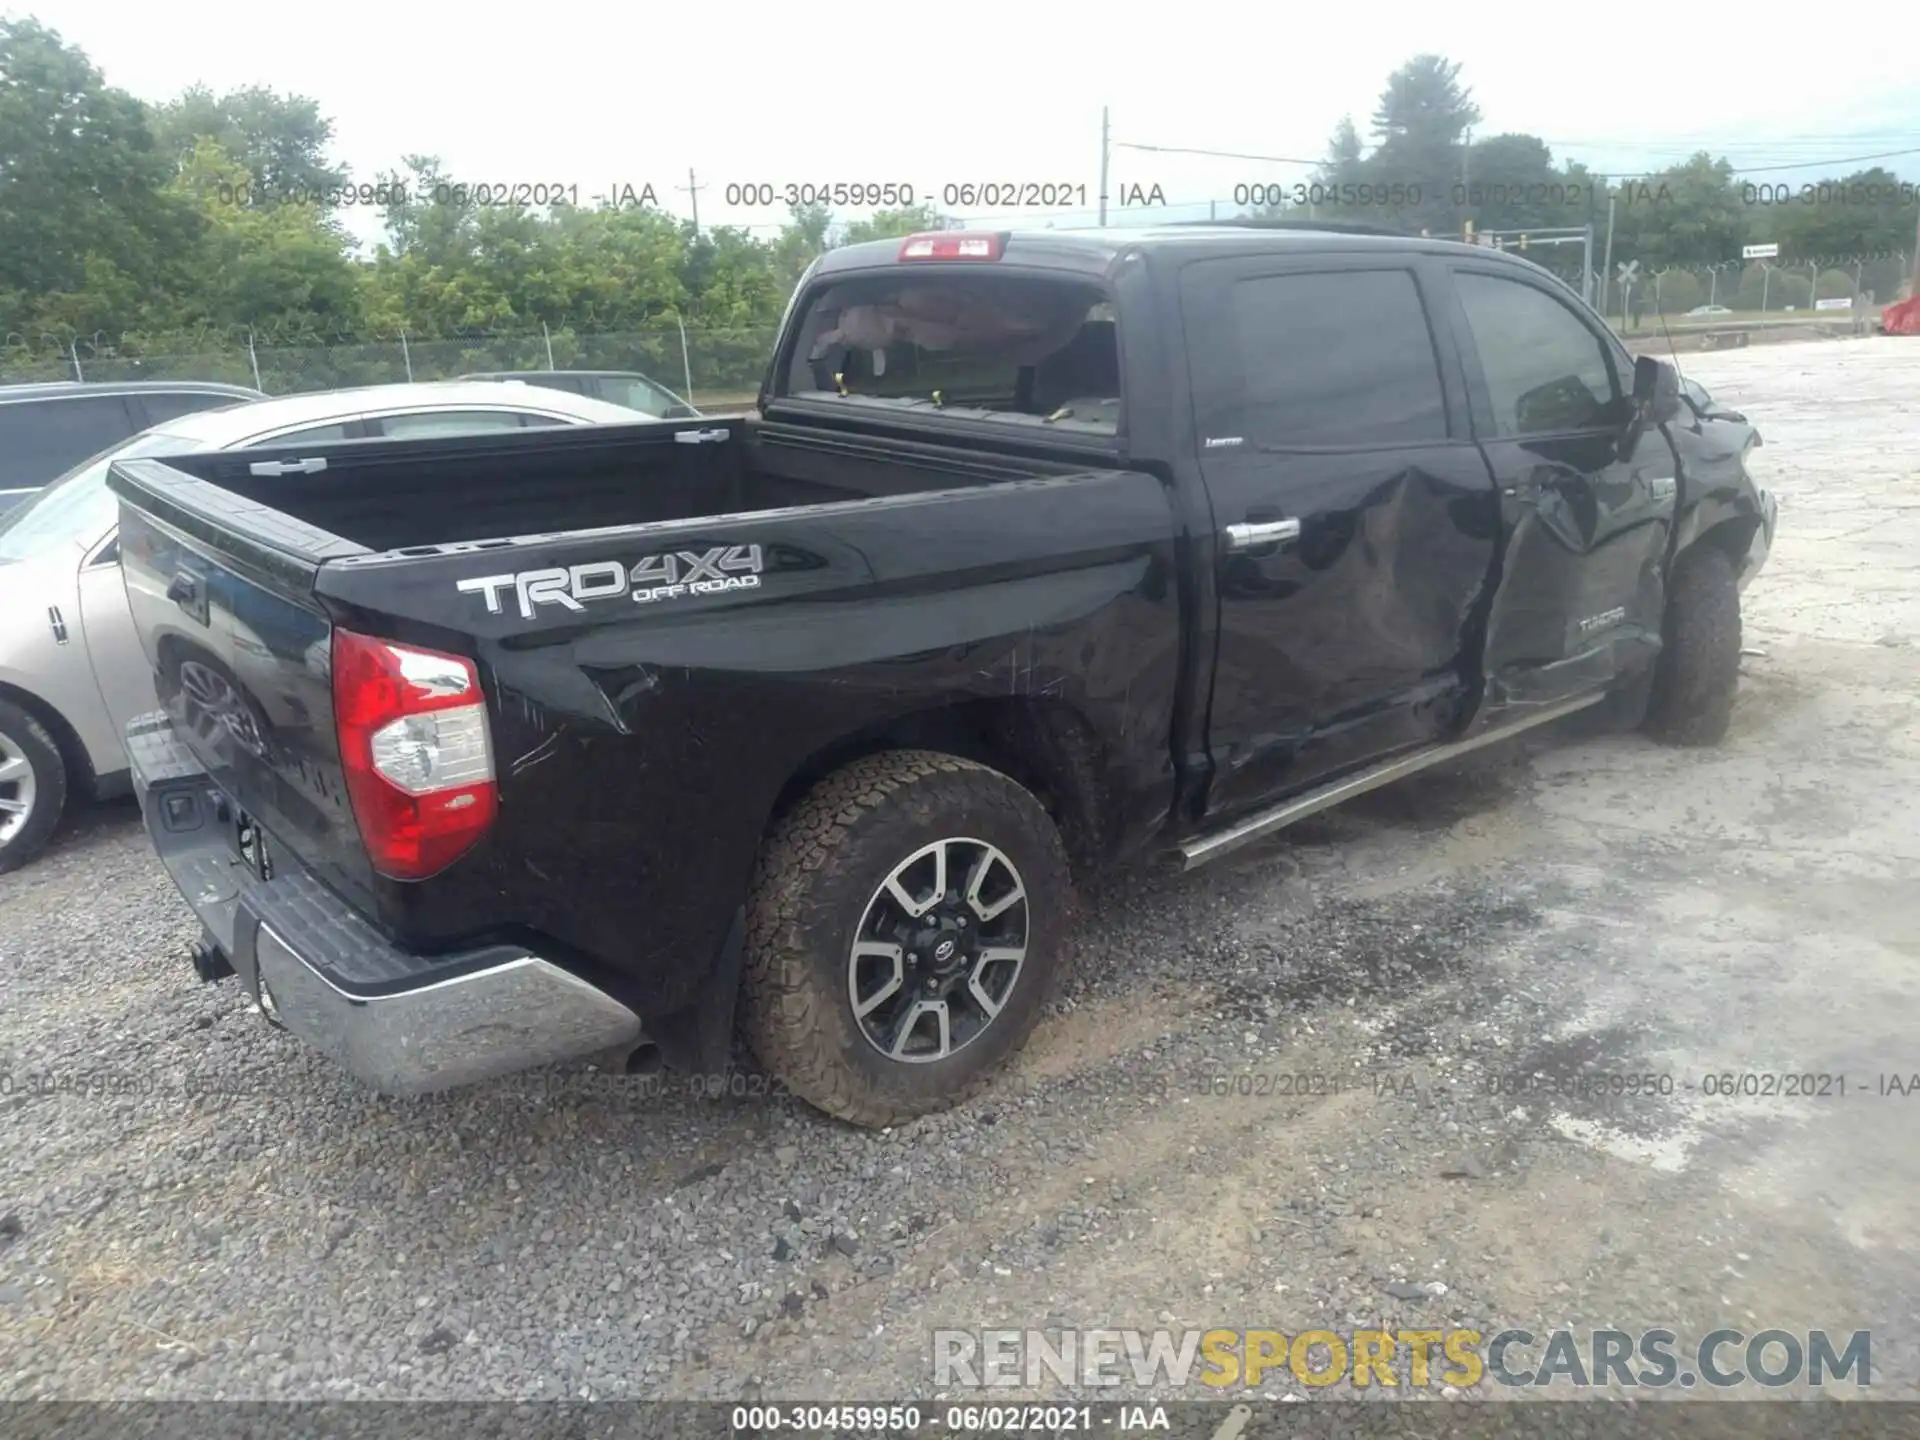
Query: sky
point(600, 97)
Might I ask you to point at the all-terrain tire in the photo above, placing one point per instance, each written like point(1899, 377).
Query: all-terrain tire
point(1698, 669)
point(25, 739)
point(817, 874)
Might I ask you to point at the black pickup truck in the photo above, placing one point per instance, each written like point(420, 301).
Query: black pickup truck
point(1040, 552)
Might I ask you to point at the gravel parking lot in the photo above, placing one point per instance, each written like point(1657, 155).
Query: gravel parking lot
point(225, 1215)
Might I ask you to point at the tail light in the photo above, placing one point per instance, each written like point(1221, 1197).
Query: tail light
point(953, 245)
point(414, 746)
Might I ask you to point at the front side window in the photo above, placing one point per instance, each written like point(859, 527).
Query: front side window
point(1336, 358)
point(1546, 371)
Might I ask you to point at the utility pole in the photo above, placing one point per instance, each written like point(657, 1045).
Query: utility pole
point(1105, 146)
point(1606, 262)
point(694, 191)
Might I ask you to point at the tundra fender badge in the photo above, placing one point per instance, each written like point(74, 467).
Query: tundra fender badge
point(670, 575)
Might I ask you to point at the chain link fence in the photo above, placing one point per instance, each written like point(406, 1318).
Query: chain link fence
point(722, 368)
point(714, 368)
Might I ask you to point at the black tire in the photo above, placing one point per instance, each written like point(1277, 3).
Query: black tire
point(1698, 669)
point(25, 738)
point(818, 878)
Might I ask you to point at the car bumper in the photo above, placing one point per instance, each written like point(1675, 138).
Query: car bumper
point(1762, 544)
point(403, 1023)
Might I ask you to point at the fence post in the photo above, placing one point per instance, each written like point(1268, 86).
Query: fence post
point(548, 337)
point(406, 354)
point(74, 351)
point(686, 361)
point(253, 360)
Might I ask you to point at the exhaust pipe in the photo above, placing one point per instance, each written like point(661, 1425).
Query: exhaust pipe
point(645, 1059)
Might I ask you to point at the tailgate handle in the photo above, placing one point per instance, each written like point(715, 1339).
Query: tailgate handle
point(699, 437)
point(312, 465)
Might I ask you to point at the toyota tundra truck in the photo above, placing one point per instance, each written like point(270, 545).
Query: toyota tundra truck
point(1040, 553)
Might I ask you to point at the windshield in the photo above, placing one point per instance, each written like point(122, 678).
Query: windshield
point(78, 509)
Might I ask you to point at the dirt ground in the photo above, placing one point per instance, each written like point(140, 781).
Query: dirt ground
point(1360, 1076)
point(1752, 910)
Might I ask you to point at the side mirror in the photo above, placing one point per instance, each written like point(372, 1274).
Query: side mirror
point(1656, 390)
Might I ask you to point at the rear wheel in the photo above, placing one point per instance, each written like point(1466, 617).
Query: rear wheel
point(902, 935)
point(1698, 669)
point(33, 786)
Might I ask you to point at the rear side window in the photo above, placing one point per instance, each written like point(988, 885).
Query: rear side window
point(160, 406)
point(1337, 358)
point(1546, 372)
point(634, 394)
point(40, 440)
point(444, 422)
point(1021, 350)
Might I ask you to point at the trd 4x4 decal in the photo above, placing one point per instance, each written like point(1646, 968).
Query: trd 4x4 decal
point(667, 576)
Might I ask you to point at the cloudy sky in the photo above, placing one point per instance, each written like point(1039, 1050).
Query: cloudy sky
point(930, 95)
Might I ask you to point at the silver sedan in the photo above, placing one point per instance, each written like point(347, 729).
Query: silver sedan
point(71, 669)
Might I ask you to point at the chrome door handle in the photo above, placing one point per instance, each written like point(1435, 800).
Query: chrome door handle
point(1268, 532)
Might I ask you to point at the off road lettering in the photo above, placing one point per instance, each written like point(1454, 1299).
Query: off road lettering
point(666, 576)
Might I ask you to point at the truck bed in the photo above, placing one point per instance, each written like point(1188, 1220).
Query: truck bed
point(397, 495)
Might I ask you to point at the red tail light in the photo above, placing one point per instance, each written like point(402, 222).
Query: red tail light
point(414, 745)
point(952, 245)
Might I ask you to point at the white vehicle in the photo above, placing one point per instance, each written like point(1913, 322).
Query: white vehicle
point(1709, 310)
point(71, 669)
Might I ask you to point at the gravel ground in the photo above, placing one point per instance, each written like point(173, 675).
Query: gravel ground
point(213, 1212)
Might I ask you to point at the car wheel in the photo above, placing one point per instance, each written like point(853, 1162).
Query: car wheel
point(903, 934)
point(1698, 669)
point(33, 786)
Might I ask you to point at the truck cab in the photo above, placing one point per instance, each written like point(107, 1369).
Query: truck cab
point(1041, 552)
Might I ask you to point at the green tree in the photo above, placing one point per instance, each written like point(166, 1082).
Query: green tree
point(283, 267)
point(887, 224)
point(1869, 212)
point(83, 198)
point(801, 240)
point(279, 140)
point(1421, 124)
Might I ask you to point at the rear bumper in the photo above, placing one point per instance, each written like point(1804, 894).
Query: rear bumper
point(402, 1023)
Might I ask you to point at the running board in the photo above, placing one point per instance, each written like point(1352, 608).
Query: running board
point(1203, 848)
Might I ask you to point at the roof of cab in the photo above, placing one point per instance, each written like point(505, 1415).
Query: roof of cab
point(1093, 252)
point(61, 389)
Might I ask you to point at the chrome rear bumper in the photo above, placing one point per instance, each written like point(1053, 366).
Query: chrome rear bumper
point(403, 1023)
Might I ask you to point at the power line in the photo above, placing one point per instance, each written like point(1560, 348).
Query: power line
point(1605, 175)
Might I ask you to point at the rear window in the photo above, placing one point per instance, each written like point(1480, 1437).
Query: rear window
point(1021, 350)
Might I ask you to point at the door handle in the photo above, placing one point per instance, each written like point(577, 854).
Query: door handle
point(699, 437)
point(1253, 535)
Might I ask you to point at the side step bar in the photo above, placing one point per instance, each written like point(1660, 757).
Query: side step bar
point(1203, 848)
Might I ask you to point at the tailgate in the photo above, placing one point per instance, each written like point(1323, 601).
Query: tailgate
point(222, 598)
